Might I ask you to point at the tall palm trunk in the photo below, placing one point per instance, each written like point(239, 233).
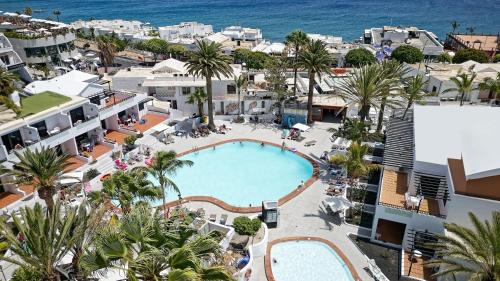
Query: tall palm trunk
point(46, 193)
point(410, 102)
point(295, 71)
point(363, 112)
point(381, 114)
point(163, 198)
point(200, 108)
point(211, 124)
point(312, 74)
point(462, 99)
point(239, 101)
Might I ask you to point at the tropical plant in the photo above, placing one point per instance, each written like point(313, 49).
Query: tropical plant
point(156, 46)
point(165, 165)
point(413, 91)
point(491, 85)
point(240, 82)
point(130, 140)
point(43, 239)
point(464, 55)
point(7, 82)
point(316, 59)
point(352, 129)
point(177, 50)
point(297, 40)
point(208, 61)
point(353, 161)
point(366, 86)
point(470, 29)
point(408, 54)
point(56, 13)
point(25, 273)
point(444, 57)
point(125, 188)
point(496, 58)
point(198, 97)
point(359, 57)
point(455, 25)
point(107, 50)
point(253, 60)
point(40, 168)
point(275, 76)
point(469, 252)
point(28, 11)
point(393, 73)
point(244, 225)
point(464, 85)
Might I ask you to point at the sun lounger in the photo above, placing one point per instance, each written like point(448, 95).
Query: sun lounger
point(213, 218)
point(310, 143)
point(223, 219)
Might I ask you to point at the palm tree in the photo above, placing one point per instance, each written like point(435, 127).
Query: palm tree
point(393, 73)
point(165, 164)
point(471, 29)
point(56, 13)
point(198, 97)
point(455, 25)
point(240, 82)
point(296, 39)
point(43, 239)
point(107, 48)
point(353, 161)
point(125, 188)
point(464, 85)
point(316, 59)
point(492, 86)
point(366, 87)
point(473, 252)
point(42, 169)
point(352, 129)
point(208, 61)
point(413, 91)
point(7, 82)
point(28, 11)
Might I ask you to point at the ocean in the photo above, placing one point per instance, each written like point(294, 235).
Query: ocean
point(276, 18)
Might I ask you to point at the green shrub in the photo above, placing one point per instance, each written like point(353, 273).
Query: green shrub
point(464, 55)
point(246, 226)
point(359, 57)
point(444, 57)
point(4, 246)
point(90, 174)
point(130, 140)
point(26, 273)
point(408, 54)
point(497, 58)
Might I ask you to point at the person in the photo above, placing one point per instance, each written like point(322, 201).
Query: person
point(283, 146)
point(262, 144)
point(275, 261)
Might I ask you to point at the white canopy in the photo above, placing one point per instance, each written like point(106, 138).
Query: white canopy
point(337, 203)
point(71, 178)
point(302, 127)
point(160, 127)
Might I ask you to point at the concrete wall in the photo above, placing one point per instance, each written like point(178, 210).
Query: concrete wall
point(459, 206)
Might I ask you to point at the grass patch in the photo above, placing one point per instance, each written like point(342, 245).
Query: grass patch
point(40, 102)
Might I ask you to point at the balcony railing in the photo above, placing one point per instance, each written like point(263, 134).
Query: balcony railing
point(55, 132)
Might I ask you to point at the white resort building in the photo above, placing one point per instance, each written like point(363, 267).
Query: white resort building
point(438, 166)
point(11, 61)
point(38, 41)
point(392, 37)
point(132, 30)
point(238, 33)
point(185, 32)
point(169, 81)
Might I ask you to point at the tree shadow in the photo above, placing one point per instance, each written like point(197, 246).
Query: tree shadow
point(328, 218)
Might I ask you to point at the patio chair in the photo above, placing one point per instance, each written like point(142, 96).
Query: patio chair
point(310, 143)
point(223, 219)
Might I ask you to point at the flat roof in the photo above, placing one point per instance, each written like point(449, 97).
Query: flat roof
point(40, 102)
point(458, 132)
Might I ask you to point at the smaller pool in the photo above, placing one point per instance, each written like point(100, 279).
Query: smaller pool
point(300, 260)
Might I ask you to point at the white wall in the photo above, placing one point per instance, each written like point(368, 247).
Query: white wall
point(459, 206)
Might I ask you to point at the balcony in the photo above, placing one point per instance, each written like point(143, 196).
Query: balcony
point(394, 193)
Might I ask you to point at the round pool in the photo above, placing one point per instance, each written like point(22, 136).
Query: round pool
point(299, 260)
point(241, 173)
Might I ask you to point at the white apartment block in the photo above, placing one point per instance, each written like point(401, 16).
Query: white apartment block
point(185, 30)
point(392, 37)
point(169, 81)
point(438, 166)
point(131, 30)
point(38, 41)
point(11, 61)
point(329, 40)
point(238, 33)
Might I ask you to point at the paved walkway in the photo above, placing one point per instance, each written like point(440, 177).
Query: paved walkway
point(301, 216)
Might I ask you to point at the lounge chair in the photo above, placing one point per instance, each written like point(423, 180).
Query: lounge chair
point(310, 143)
point(223, 219)
point(212, 218)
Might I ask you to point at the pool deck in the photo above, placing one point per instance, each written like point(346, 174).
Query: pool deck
point(302, 215)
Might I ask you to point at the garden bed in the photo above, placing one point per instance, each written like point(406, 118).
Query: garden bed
point(356, 216)
point(386, 258)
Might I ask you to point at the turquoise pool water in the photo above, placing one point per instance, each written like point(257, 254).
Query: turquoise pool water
point(241, 174)
point(307, 260)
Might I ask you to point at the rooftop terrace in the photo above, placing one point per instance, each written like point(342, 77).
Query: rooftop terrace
point(40, 102)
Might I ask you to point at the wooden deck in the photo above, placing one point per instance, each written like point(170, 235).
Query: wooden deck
point(7, 198)
point(99, 150)
point(394, 187)
point(151, 121)
point(75, 163)
point(116, 136)
point(418, 269)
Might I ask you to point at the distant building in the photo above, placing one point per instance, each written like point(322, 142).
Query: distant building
point(38, 41)
point(185, 30)
point(276, 48)
point(329, 40)
point(388, 38)
point(488, 43)
point(124, 29)
point(11, 61)
point(238, 33)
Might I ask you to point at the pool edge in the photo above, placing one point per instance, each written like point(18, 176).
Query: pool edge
point(294, 193)
point(267, 262)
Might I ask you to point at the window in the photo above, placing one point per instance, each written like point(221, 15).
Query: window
point(434, 89)
point(263, 104)
point(141, 106)
point(41, 128)
point(231, 89)
point(186, 90)
point(5, 60)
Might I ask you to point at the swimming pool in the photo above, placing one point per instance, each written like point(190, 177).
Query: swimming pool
point(241, 174)
point(299, 260)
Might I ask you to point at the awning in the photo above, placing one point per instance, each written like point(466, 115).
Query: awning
point(160, 127)
point(337, 203)
point(302, 127)
point(71, 178)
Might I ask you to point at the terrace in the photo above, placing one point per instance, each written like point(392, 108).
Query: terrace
point(25, 28)
point(40, 102)
point(150, 120)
